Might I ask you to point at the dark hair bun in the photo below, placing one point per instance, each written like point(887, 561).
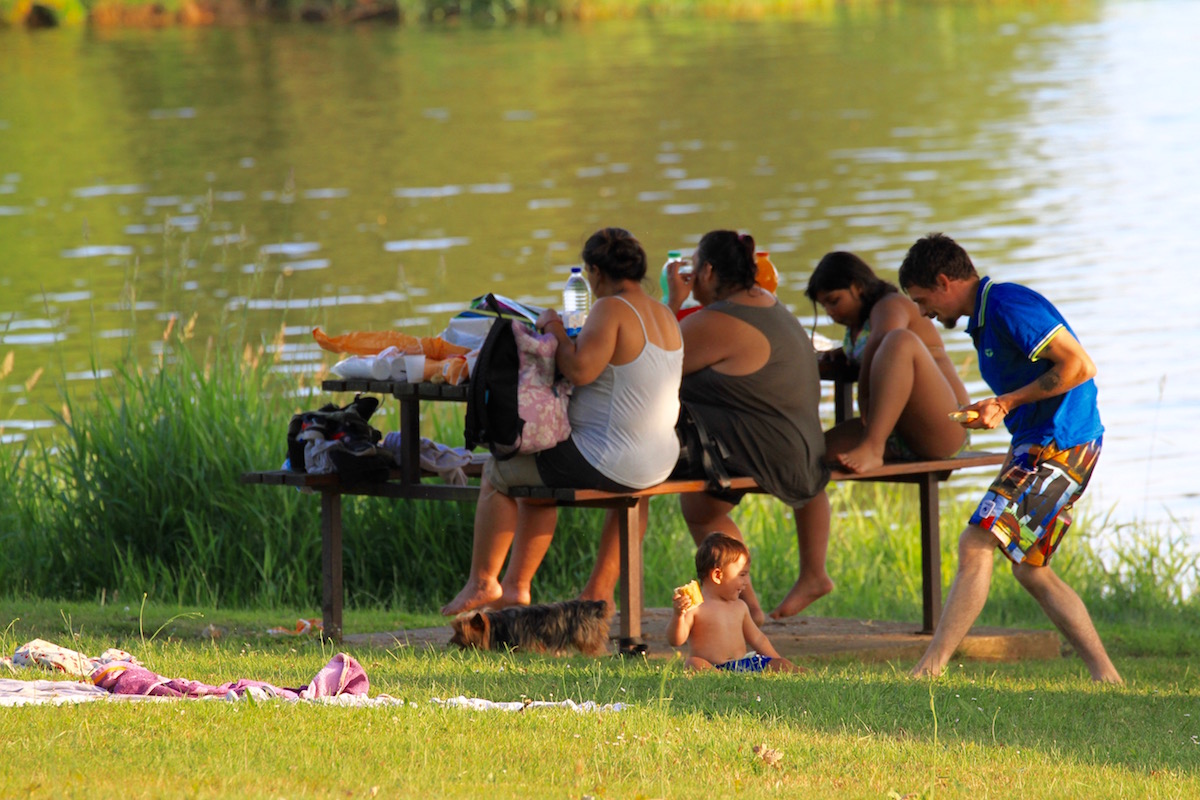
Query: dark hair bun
point(616, 253)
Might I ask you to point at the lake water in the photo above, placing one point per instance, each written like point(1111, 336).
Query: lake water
point(378, 177)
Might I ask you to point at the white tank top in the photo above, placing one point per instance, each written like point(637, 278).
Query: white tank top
point(624, 421)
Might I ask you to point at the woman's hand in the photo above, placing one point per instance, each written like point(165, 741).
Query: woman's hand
point(545, 318)
point(679, 287)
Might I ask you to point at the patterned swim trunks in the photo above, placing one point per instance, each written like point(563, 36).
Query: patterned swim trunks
point(751, 662)
point(1028, 507)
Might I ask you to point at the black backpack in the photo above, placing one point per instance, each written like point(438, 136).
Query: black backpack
point(492, 418)
point(357, 459)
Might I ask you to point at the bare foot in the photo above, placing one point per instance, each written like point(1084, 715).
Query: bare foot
point(923, 670)
point(475, 594)
point(802, 595)
point(861, 458)
point(511, 597)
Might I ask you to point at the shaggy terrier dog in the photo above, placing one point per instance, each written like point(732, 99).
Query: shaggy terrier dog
point(552, 628)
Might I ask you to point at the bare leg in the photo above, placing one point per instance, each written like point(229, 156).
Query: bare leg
point(535, 531)
point(698, 664)
point(1068, 613)
point(495, 522)
point(965, 600)
point(909, 394)
point(705, 514)
point(812, 536)
point(602, 584)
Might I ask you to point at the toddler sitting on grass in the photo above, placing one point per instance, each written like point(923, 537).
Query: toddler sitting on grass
point(718, 629)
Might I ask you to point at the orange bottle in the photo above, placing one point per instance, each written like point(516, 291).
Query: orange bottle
point(768, 276)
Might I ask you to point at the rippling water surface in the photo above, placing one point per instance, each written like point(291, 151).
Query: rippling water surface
point(380, 177)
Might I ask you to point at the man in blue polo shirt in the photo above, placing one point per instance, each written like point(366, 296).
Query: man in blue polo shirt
point(1046, 398)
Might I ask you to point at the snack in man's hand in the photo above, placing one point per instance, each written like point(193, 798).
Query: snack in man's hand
point(964, 416)
point(692, 590)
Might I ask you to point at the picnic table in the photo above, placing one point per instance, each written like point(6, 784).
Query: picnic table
point(407, 481)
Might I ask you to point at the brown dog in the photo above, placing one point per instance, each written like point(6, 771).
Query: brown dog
point(553, 628)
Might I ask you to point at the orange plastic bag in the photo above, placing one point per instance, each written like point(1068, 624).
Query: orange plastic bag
point(369, 343)
point(455, 370)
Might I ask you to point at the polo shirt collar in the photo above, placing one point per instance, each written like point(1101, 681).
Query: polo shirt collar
point(979, 314)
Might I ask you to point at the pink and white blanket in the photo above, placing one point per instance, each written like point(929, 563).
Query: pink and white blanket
point(120, 674)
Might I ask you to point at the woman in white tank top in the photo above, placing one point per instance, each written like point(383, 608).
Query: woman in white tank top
point(626, 365)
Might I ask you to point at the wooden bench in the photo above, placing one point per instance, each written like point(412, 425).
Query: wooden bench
point(406, 483)
point(926, 475)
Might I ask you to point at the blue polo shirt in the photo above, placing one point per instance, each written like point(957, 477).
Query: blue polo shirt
point(1011, 325)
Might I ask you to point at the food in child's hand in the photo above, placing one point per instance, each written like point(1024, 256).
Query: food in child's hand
point(692, 591)
point(964, 416)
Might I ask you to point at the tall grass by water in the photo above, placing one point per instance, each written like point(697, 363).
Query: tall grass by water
point(137, 492)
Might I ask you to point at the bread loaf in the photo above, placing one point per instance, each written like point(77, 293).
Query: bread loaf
point(692, 591)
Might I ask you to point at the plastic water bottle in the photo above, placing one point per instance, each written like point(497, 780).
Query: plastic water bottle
point(684, 269)
point(577, 300)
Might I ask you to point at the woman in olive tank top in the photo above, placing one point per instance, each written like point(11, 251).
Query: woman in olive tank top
point(750, 376)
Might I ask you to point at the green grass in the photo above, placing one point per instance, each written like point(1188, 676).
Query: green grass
point(1031, 729)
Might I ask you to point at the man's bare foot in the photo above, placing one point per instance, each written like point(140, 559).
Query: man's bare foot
point(861, 458)
point(475, 594)
point(802, 595)
point(923, 670)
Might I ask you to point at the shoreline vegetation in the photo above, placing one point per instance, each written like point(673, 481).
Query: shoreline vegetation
point(165, 13)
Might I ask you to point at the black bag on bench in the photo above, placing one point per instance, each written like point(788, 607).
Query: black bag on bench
point(700, 455)
point(356, 458)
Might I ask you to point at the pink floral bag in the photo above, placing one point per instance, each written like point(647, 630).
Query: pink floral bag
point(541, 401)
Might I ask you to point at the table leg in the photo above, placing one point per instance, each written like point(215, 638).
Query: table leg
point(931, 554)
point(410, 441)
point(843, 400)
point(631, 642)
point(331, 565)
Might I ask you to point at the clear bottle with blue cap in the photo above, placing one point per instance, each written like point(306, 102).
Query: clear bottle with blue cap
point(577, 301)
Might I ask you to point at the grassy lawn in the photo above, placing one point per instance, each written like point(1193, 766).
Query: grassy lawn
point(843, 729)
